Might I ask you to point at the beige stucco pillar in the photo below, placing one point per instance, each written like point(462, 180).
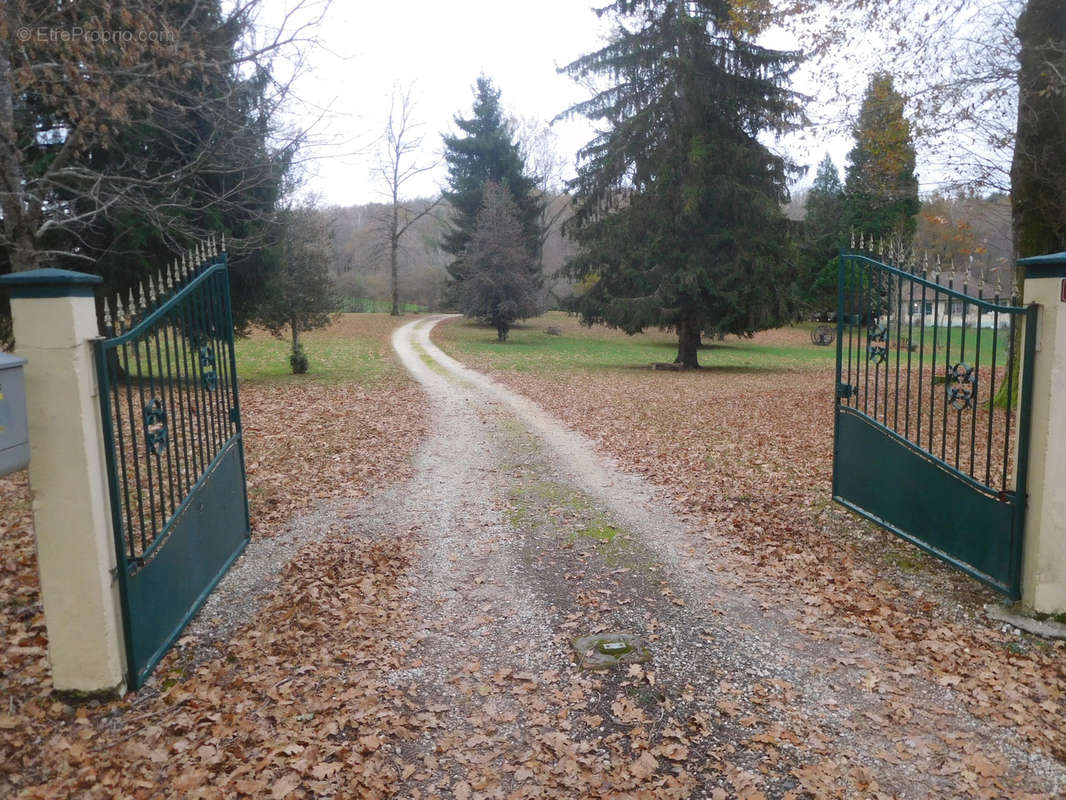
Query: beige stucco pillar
point(54, 324)
point(1044, 546)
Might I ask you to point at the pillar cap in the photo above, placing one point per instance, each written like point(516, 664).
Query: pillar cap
point(49, 282)
point(1052, 265)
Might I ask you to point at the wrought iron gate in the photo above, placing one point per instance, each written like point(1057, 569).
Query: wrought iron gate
point(175, 459)
point(927, 443)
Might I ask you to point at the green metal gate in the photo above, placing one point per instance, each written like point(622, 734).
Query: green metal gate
point(927, 443)
point(175, 458)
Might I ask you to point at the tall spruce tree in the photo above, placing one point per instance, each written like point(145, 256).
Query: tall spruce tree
point(485, 151)
point(679, 220)
point(881, 187)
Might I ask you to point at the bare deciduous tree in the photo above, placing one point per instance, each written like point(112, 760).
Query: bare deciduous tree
point(137, 113)
point(958, 62)
point(397, 167)
point(539, 149)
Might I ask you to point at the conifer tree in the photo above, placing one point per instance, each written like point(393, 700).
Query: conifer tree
point(824, 233)
point(485, 151)
point(115, 156)
point(501, 281)
point(881, 188)
point(678, 219)
point(299, 295)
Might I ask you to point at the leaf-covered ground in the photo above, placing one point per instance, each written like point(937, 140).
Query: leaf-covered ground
point(748, 455)
point(347, 427)
point(421, 648)
point(346, 430)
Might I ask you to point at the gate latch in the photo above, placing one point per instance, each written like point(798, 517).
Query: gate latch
point(846, 390)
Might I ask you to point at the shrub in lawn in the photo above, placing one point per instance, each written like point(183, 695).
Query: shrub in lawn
point(298, 360)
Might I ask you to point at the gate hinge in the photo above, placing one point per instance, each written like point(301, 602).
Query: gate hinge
point(846, 390)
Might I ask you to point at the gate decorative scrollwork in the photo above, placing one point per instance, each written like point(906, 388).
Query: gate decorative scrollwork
point(876, 343)
point(155, 426)
point(961, 386)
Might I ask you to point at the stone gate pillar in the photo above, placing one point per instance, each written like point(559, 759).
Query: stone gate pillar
point(1044, 546)
point(54, 318)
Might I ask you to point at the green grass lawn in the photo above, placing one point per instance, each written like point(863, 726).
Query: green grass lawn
point(530, 348)
point(959, 341)
point(355, 347)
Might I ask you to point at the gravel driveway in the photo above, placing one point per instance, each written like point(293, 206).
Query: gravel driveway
point(531, 537)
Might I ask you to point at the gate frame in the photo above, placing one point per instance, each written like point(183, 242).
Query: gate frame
point(1012, 587)
point(203, 269)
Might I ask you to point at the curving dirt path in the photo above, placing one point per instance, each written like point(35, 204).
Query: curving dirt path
point(531, 537)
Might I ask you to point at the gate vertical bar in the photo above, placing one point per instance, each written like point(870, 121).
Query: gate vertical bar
point(235, 411)
point(1021, 466)
point(838, 392)
point(121, 550)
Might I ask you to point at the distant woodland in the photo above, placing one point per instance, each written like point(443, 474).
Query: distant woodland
point(960, 228)
point(359, 264)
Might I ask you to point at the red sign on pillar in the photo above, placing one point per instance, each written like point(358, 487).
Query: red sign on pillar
point(1062, 296)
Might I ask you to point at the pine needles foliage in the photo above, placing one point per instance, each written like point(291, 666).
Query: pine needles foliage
point(678, 200)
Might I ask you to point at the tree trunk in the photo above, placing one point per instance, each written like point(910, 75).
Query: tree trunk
point(24, 252)
point(501, 331)
point(13, 202)
point(394, 246)
point(1038, 170)
point(688, 343)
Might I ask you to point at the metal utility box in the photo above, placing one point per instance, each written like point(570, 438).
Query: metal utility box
point(14, 436)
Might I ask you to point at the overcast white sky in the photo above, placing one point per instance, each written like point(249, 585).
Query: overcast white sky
point(440, 48)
